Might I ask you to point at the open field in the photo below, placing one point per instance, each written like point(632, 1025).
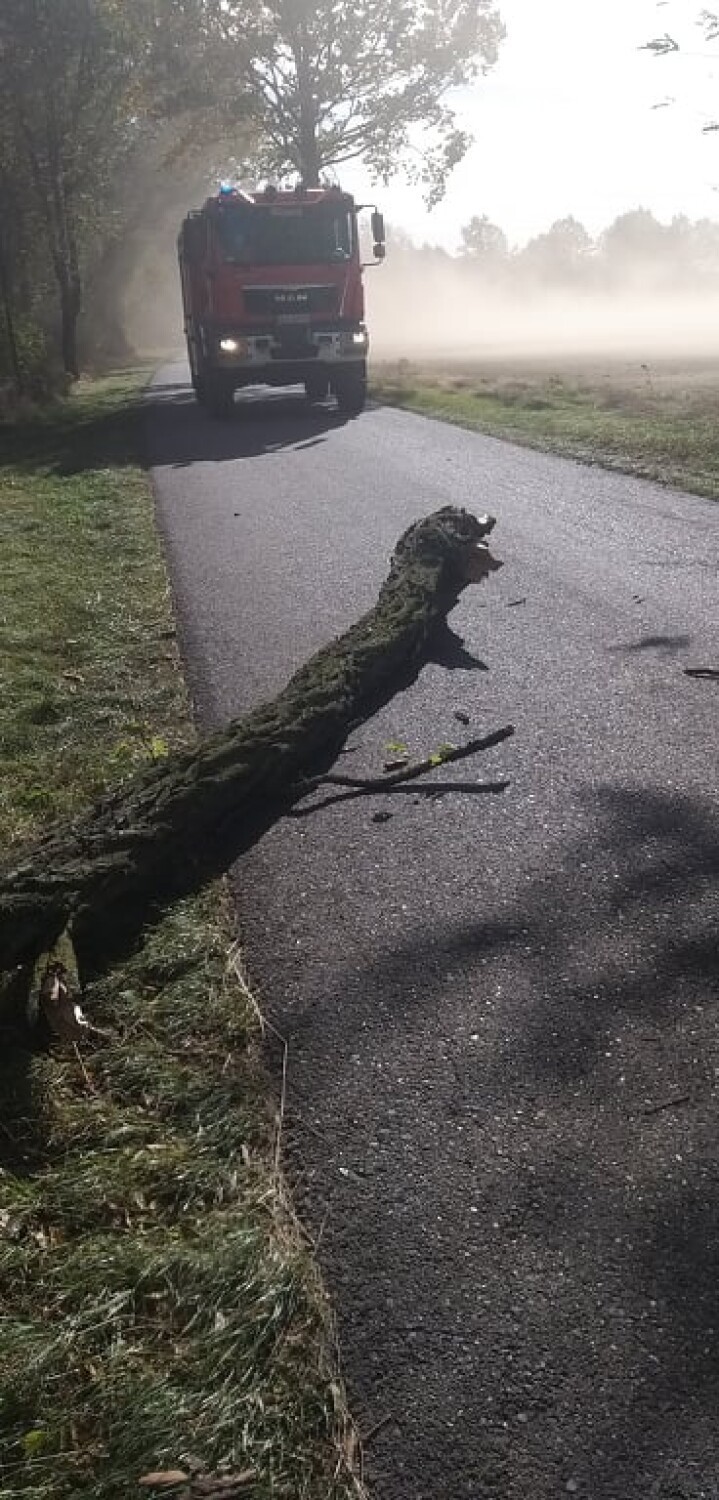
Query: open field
point(159, 1308)
point(658, 419)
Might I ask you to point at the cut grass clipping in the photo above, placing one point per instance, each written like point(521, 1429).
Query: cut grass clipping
point(657, 421)
point(157, 1308)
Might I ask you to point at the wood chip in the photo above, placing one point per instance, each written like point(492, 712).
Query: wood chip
point(63, 1015)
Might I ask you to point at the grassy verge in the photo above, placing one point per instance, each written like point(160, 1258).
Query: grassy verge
point(659, 422)
point(157, 1308)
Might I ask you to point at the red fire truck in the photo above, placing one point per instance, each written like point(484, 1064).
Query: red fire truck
point(272, 294)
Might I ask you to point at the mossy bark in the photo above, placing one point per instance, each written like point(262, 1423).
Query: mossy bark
point(110, 872)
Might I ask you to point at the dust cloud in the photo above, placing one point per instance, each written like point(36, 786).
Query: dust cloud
point(643, 291)
point(440, 311)
point(133, 304)
point(151, 308)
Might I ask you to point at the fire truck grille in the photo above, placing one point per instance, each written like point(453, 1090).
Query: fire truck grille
point(293, 343)
point(276, 301)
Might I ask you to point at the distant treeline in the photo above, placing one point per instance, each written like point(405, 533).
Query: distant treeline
point(635, 253)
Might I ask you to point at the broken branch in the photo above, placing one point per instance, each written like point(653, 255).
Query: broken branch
point(105, 875)
point(393, 779)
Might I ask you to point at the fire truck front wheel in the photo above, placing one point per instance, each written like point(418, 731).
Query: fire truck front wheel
point(316, 387)
point(216, 396)
point(350, 388)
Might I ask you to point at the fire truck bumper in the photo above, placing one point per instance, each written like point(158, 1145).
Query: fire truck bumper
point(265, 356)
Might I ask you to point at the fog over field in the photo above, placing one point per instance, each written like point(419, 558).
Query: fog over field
point(443, 318)
point(643, 289)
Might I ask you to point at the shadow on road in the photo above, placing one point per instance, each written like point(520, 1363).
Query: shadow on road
point(263, 422)
point(666, 645)
point(544, 1230)
point(177, 431)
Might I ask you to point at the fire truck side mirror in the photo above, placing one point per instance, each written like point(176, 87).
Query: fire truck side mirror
point(379, 251)
point(377, 231)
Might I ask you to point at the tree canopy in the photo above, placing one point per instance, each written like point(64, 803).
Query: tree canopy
point(69, 71)
point(484, 241)
point(96, 97)
point(707, 22)
point(333, 81)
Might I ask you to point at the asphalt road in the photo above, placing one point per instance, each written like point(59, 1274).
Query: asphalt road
point(502, 1012)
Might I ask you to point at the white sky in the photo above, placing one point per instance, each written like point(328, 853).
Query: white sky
point(564, 124)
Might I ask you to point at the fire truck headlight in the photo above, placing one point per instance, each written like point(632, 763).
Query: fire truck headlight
point(355, 341)
point(233, 346)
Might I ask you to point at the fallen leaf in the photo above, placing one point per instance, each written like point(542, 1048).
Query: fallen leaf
point(440, 755)
point(34, 1442)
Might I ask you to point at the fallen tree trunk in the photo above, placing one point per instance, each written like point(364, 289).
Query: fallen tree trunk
point(106, 875)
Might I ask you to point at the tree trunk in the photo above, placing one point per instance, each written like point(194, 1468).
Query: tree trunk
point(103, 331)
point(309, 156)
point(8, 311)
point(308, 144)
point(70, 294)
point(69, 313)
point(176, 827)
point(56, 208)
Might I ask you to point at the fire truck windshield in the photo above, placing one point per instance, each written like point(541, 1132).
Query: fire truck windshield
point(259, 235)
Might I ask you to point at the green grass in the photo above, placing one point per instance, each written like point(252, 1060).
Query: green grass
point(89, 685)
point(157, 1304)
point(658, 423)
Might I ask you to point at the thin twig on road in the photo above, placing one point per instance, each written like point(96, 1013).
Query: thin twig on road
point(396, 781)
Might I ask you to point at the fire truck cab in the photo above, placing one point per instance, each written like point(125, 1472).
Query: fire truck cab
point(272, 294)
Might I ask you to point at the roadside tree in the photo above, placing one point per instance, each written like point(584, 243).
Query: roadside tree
point(88, 87)
point(66, 68)
point(334, 81)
